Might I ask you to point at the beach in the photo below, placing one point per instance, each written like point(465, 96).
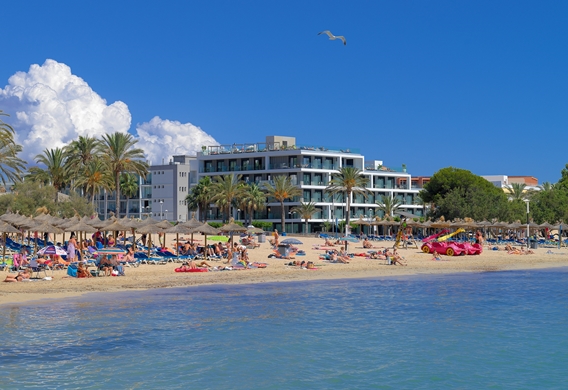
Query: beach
point(149, 276)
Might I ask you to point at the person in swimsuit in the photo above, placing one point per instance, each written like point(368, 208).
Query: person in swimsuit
point(17, 278)
point(71, 245)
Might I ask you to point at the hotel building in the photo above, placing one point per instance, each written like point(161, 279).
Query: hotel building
point(310, 167)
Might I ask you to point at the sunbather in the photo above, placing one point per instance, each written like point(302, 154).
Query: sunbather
point(328, 243)
point(82, 271)
point(367, 244)
point(194, 265)
point(18, 277)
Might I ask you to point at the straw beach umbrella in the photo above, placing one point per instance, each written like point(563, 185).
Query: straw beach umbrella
point(192, 224)
point(231, 228)
point(149, 230)
point(81, 227)
point(178, 229)
point(4, 229)
point(206, 229)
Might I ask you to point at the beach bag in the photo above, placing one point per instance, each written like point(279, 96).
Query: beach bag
point(72, 270)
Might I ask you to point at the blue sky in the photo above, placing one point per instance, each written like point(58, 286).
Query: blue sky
point(480, 85)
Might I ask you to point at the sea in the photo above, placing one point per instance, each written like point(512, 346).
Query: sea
point(491, 330)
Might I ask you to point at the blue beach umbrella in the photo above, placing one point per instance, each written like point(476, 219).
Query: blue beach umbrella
point(291, 241)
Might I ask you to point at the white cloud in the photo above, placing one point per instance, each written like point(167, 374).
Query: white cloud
point(50, 107)
point(162, 138)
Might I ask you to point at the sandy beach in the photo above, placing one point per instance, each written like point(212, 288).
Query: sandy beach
point(149, 276)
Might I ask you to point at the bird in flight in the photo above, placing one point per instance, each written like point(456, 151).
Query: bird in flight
point(333, 37)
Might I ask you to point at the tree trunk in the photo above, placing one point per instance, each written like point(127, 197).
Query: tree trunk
point(282, 217)
point(117, 201)
point(347, 219)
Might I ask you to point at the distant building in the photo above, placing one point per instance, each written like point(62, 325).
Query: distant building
point(310, 167)
point(161, 194)
point(504, 181)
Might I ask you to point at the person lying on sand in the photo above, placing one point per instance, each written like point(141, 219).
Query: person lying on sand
point(328, 243)
point(302, 264)
point(18, 277)
point(376, 255)
point(194, 265)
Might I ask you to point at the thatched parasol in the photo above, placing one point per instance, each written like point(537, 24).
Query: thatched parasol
point(4, 229)
point(178, 229)
point(81, 227)
point(149, 230)
point(232, 227)
point(207, 229)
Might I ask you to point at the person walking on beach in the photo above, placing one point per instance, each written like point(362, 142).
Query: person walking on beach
point(71, 245)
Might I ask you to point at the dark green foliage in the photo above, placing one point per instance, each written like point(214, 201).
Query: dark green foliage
point(266, 226)
point(550, 206)
point(458, 193)
point(447, 179)
point(28, 196)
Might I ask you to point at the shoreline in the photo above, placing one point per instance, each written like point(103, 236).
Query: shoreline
point(148, 277)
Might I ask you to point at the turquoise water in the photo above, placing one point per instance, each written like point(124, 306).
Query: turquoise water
point(501, 330)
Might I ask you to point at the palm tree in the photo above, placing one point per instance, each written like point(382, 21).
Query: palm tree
point(95, 178)
point(348, 180)
point(281, 190)
point(79, 154)
point(254, 199)
point(129, 187)
point(547, 186)
point(11, 166)
point(389, 205)
point(227, 190)
point(120, 155)
point(306, 210)
point(517, 191)
point(38, 175)
point(54, 160)
point(6, 131)
point(420, 202)
point(200, 197)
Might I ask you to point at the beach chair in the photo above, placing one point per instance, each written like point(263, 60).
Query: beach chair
point(37, 268)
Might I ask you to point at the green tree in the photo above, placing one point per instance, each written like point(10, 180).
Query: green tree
point(549, 206)
point(54, 161)
point(40, 176)
point(200, 197)
point(389, 205)
point(6, 131)
point(120, 155)
point(281, 190)
point(11, 166)
point(129, 187)
point(349, 181)
point(253, 199)
point(547, 186)
point(95, 178)
point(227, 190)
point(517, 191)
point(79, 153)
point(306, 211)
point(452, 189)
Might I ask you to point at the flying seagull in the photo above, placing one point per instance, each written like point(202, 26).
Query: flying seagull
point(333, 37)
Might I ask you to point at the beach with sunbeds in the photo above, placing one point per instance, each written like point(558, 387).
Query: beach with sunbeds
point(362, 263)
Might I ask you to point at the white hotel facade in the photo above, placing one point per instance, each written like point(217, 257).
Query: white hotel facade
point(311, 169)
point(162, 194)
